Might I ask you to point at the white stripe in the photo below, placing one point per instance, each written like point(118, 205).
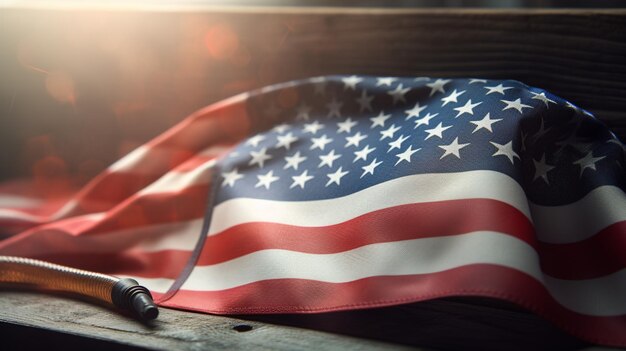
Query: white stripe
point(64, 211)
point(173, 236)
point(396, 192)
point(13, 201)
point(130, 161)
point(417, 256)
point(215, 151)
point(146, 160)
point(16, 215)
point(582, 219)
point(598, 297)
point(602, 296)
point(178, 181)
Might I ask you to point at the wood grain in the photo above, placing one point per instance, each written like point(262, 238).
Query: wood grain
point(136, 73)
point(445, 324)
point(173, 330)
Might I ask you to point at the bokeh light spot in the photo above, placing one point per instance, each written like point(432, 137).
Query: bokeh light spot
point(221, 41)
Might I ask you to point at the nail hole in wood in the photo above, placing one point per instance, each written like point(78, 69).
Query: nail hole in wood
point(242, 328)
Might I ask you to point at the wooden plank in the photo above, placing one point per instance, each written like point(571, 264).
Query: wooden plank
point(451, 324)
point(135, 73)
point(173, 330)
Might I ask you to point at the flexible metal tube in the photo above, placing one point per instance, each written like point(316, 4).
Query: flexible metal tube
point(123, 293)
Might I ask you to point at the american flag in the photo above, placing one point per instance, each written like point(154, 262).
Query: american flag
point(347, 192)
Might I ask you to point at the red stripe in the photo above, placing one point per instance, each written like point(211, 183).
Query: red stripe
point(598, 255)
point(151, 209)
point(137, 212)
point(589, 259)
point(109, 189)
point(162, 264)
point(306, 296)
point(404, 222)
point(222, 122)
point(583, 260)
point(218, 124)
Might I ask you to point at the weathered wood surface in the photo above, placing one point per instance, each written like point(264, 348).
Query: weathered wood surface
point(451, 324)
point(173, 330)
point(135, 73)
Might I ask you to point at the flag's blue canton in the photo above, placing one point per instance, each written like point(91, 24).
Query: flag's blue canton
point(338, 135)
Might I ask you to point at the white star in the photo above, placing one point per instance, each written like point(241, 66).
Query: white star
point(385, 81)
point(472, 81)
point(286, 140)
point(541, 132)
point(497, 89)
point(346, 126)
point(415, 111)
point(300, 180)
point(334, 108)
point(437, 86)
point(365, 101)
point(425, 120)
point(452, 97)
point(355, 139)
point(542, 169)
point(396, 144)
point(294, 161)
point(266, 180)
point(542, 97)
point(369, 169)
point(406, 155)
point(588, 162)
point(362, 154)
point(571, 140)
point(328, 159)
point(517, 104)
point(398, 93)
point(259, 157)
point(336, 177)
point(351, 82)
point(313, 128)
point(255, 140)
point(281, 128)
point(302, 112)
point(320, 143)
point(319, 84)
point(437, 131)
point(389, 132)
point(505, 150)
point(379, 120)
point(484, 123)
point(231, 177)
point(467, 108)
point(453, 148)
point(523, 137)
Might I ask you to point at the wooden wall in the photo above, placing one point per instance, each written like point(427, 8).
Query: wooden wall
point(87, 86)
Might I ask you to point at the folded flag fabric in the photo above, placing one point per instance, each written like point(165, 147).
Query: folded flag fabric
point(347, 192)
